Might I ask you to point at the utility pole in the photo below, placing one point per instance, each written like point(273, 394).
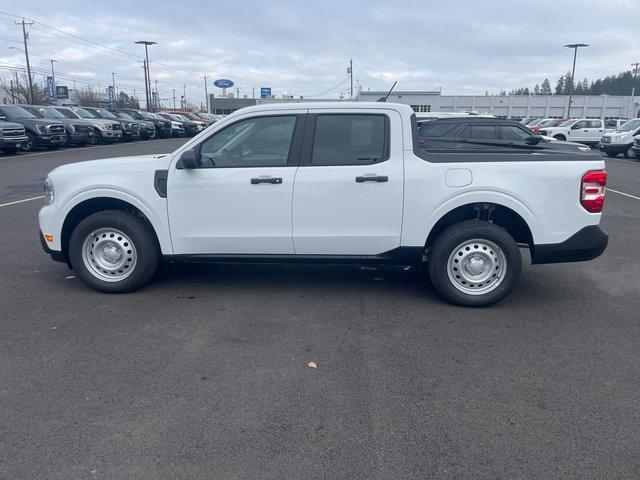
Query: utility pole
point(253, 92)
point(575, 47)
point(25, 36)
point(113, 85)
point(206, 94)
point(157, 95)
point(174, 98)
point(633, 89)
point(13, 95)
point(53, 79)
point(351, 75)
point(184, 96)
point(146, 91)
point(237, 92)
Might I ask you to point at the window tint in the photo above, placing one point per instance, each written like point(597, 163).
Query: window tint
point(611, 123)
point(511, 132)
point(256, 142)
point(436, 129)
point(595, 123)
point(349, 139)
point(581, 124)
point(480, 132)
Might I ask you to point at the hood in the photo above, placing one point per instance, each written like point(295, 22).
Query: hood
point(116, 165)
point(4, 124)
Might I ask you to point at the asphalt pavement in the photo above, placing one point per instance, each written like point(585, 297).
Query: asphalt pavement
point(205, 372)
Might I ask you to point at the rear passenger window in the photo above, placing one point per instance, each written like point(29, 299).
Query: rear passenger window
point(595, 124)
point(435, 129)
point(480, 132)
point(347, 139)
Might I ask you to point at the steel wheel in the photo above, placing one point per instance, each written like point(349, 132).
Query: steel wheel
point(109, 254)
point(477, 266)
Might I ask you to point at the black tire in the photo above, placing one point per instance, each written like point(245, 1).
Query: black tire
point(628, 153)
point(146, 249)
point(562, 138)
point(32, 143)
point(97, 137)
point(444, 247)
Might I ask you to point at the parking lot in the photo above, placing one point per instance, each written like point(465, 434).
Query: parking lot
point(205, 372)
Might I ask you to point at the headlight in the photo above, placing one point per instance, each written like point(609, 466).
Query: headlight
point(48, 191)
point(107, 126)
point(584, 148)
point(40, 128)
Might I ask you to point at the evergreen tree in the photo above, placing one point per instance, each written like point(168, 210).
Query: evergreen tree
point(560, 86)
point(536, 89)
point(545, 88)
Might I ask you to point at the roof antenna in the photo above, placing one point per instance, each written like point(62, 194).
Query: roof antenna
point(384, 99)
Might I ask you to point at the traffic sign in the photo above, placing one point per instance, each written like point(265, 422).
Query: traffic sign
point(265, 92)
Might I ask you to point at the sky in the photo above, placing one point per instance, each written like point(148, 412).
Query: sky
point(303, 47)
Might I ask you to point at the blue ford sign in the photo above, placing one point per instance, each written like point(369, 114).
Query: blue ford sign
point(223, 83)
point(265, 92)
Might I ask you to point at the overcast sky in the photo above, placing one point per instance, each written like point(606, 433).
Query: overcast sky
point(303, 47)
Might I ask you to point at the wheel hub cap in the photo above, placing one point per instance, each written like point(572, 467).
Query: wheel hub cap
point(109, 254)
point(477, 266)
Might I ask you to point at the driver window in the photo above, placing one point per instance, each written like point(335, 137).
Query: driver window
point(255, 142)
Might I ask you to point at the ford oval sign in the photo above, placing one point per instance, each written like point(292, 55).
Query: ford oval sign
point(223, 83)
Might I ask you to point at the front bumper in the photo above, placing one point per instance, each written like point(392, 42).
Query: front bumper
point(587, 244)
point(13, 142)
point(613, 148)
point(47, 140)
point(111, 134)
point(55, 255)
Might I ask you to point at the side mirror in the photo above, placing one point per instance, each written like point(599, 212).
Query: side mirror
point(188, 160)
point(533, 140)
point(575, 126)
point(2, 117)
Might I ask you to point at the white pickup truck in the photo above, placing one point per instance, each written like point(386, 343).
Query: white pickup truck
point(339, 182)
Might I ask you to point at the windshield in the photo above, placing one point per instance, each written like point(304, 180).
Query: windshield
point(66, 113)
point(568, 123)
point(124, 116)
point(50, 112)
point(34, 111)
point(104, 113)
point(16, 111)
point(82, 113)
point(181, 117)
point(629, 126)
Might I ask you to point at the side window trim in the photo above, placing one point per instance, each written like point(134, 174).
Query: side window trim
point(310, 132)
point(295, 146)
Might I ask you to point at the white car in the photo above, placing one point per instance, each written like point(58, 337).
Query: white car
point(621, 140)
point(336, 182)
point(582, 130)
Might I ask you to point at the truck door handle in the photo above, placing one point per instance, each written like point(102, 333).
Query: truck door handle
point(273, 180)
point(372, 178)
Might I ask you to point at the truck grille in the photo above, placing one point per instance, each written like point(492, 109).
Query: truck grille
point(117, 126)
point(55, 129)
point(12, 132)
point(605, 139)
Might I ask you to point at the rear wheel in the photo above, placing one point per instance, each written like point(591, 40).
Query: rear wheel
point(562, 138)
point(629, 153)
point(114, 251)
point(474, 263)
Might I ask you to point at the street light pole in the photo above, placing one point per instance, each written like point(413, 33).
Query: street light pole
point(575, 47)
point(113, 86)
point(206, 94)
point(147, 85)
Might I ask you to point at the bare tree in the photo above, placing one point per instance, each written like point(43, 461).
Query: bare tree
point(87, 97)
point(20, 92)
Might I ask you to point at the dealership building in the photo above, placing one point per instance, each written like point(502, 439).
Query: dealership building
point(515, 106)
point(502, 106)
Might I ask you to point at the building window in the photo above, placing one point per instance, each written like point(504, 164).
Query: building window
point(421, 108)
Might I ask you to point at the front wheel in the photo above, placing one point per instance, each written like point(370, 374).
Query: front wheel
point(629, 152)
point(474, 263)
point(561, 138)
point(114, 251)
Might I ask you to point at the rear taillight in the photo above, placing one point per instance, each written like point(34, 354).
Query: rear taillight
point(592, 190)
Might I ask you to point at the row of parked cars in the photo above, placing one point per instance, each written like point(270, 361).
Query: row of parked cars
point(612, 136)
point(29, 127)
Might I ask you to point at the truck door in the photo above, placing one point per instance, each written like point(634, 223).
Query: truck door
point(348, 191)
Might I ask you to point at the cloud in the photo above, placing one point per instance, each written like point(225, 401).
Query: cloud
point(305, 47)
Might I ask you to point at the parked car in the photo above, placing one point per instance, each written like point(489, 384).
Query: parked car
point(177, 127)
point(635, 150)
point(621, 140)
point(103, 130)
point(612, 124)
point(12, 137)
point(130, 128)
point(583, 130)
point(190, 128)
point(487, 135)
point(41, 132)
point(79, 131)
point(163, 126)
point(147, 128)
point(548, 123)
point(194, 117)
point(353, 186)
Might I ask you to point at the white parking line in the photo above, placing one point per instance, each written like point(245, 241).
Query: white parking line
point(21, 201)
point(622, 193)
